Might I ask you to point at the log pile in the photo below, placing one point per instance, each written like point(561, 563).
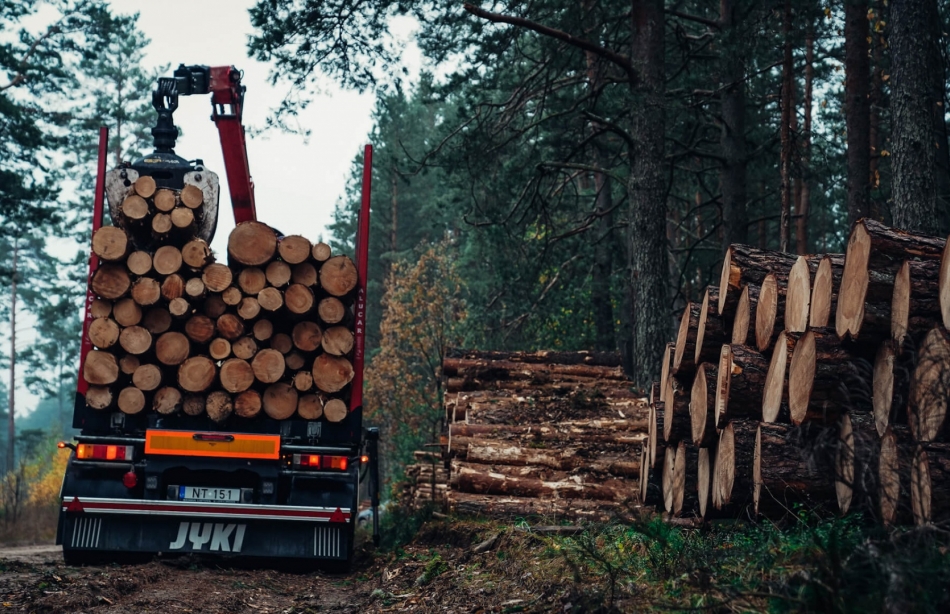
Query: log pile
point(541, 434)
point(815, 382)
point(426, 482)
point(175, 332)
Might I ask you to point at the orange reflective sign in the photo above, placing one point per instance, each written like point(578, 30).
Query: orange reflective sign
point(230, 445)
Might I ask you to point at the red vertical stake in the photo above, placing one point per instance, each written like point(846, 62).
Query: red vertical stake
point(98, 206)
point(362, 258)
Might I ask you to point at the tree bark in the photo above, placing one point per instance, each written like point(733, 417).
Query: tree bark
point(646, 190)
point(912, 112)
point(857, 108)
point(787, 469)
point(740, 384)
point(788, 84)
point(732, 170)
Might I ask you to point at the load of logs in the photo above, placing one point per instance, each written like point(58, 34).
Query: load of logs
point(553, 434)
point(816, 383)
point(270, 333)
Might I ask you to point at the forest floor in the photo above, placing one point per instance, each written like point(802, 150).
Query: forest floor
point(450, 565)
point(447, 567)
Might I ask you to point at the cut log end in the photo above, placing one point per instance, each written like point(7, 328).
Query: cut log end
point(900, 303)
point(740, 325)
point(844, 465)
point(821, 294)
point(280, 401)
point(798, 296)
point(775, 381)
point(168, 400)
point(310, 407)
point(766, 311)
point(131, 400)
point(294, 249)
point(252, 243)
point(248, 404)
point(196, 374)
point(332, 373)
point(801, 376)
point(219, 406)
point(144, 186)
point(882, 387)
point(338, 276)
point(191, 196)
point(854, 283)
point(110, 243)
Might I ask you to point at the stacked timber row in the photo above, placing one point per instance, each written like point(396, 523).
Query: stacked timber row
point(426, 482)
point(174, 331)
point(816, 380)
point(541, 434)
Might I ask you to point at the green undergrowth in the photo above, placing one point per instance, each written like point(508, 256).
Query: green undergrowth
point(842, 565)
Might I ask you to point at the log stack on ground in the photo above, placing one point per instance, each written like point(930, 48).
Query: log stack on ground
point(238, 341)
point(832, 394)
point(542, 434)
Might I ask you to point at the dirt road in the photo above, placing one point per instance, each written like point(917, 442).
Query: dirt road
point(443, 570)
point(34, 579)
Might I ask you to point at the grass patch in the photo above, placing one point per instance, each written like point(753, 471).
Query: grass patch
point(843, 565)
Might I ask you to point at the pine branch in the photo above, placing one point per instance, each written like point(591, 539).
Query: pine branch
point(21, 75)
point(619, 59)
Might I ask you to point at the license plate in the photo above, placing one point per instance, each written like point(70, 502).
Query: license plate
point(201, 493)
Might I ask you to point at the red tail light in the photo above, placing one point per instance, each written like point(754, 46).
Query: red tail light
point(319, 462)
point(88, 451)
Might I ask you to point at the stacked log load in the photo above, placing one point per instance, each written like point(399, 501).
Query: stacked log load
point(815, 382)
point(541, 434)
point(269, 333)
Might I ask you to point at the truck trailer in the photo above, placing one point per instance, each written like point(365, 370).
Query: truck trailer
point(138, 484)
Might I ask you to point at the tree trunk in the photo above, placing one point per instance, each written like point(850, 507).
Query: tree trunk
point(647, 191)
point(857, 107)
point(94, 374)
point(804, 197)
point(732, 170)
point(788, 83)
point(912, 104)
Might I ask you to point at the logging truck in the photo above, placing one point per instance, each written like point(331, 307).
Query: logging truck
point(219, 405)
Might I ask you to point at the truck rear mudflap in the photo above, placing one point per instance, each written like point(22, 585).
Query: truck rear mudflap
point(178, 527)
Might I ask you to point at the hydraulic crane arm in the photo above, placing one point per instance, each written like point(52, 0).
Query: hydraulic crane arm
point(227, 100)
